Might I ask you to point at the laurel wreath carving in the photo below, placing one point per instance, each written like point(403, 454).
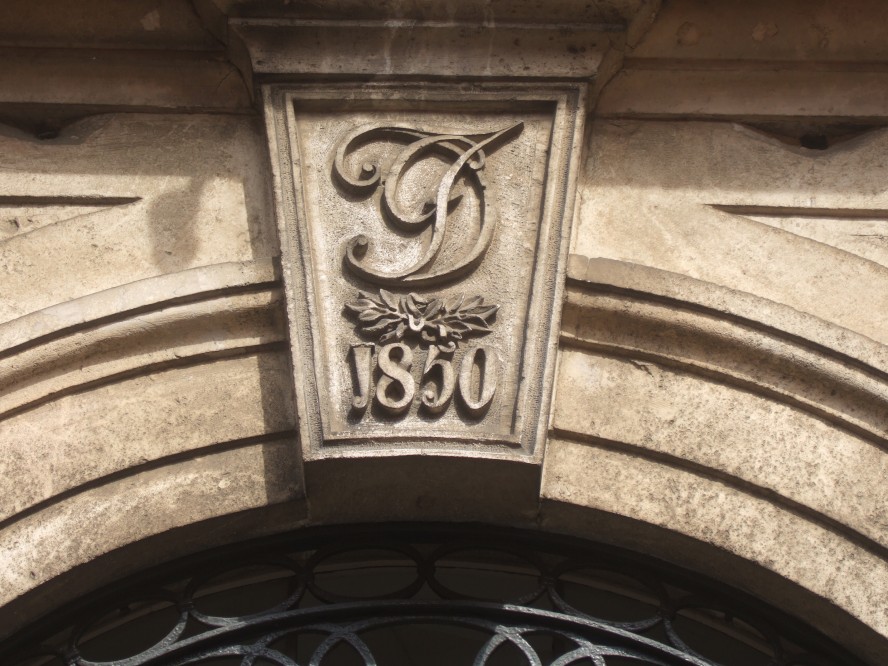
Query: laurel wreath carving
point(436, 321)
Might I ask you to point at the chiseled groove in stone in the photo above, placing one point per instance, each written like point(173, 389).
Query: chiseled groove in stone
point(129, 300)
point(182, 492)
point(141, 468)
point(746, 383)
point(121, 348)
point(708, 343)
point(627, 321)
point(804, 211)
point(85, 205)
point(687, 293)
point(743, 485)
point(177, 361)
point(843, 219)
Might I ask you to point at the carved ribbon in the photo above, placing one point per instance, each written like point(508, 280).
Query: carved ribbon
point(468, 156)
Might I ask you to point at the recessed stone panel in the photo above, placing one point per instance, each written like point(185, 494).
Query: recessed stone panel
point(423, 235)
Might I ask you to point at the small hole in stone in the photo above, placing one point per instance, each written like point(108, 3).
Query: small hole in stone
point(814, 141)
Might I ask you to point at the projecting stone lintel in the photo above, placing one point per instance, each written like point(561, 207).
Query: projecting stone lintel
point(409, 48)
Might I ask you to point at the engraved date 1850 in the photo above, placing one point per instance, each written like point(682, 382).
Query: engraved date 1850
point(472, 378)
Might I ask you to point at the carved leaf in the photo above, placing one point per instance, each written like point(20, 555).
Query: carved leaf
point(371, 314)
point(433, 308)
point(382, 324)
point(391, 317)
point(412, 306)
point(389, 299)
point(454, 303)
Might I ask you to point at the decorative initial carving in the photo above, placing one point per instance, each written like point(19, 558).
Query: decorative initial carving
point(437, 322)
point(468, 159)
point(394, 199)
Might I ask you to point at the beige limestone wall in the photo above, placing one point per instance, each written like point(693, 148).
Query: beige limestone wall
point(722, 394)
point(738, 407)
point(723, 368)
point(144, 382)
point(118, 198)
point(733, 206)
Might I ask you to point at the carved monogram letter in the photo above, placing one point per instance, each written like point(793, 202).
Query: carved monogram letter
point(468, 158)
point(423, 229)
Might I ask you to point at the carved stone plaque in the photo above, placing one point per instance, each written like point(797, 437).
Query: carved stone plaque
point(423, 233)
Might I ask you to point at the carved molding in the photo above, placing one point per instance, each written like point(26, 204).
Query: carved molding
point(390, 47)
point(637, 312)
point(203, 313)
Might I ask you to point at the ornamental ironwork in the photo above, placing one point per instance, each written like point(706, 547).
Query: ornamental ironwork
point(434, 598)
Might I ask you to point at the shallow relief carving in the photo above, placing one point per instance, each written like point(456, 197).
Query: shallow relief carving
point(437, 325)
point(422, 243)
point(466, 152)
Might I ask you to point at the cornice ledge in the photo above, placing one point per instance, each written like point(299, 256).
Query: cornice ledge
point(406, 48)
point(627, 310)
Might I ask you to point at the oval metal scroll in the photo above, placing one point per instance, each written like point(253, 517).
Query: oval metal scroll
point(467, 153)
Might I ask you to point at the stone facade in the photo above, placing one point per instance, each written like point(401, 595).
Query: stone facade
point(665, 255)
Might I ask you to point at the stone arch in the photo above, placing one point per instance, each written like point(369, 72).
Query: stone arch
point(718, 366)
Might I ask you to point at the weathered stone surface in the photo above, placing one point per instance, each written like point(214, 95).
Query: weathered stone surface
point(163, 194)
point(750, 354)
point(119, 427)
point(638, 206)
point(49, 89)
point(172, 335)
point(757, 30)
point(128, 300)
point(682, 501)
point(751, 441)
point(146, 24)
point(805, 65)
point(408, 48)
point(721, 398)
point(613, 13)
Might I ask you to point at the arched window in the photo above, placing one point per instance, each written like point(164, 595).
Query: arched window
point(430, 596)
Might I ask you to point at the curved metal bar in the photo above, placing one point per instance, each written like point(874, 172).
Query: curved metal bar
point(579, 654)
point(290, 601)
point(343, 635)
point(344, 621)
point(345, 617)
